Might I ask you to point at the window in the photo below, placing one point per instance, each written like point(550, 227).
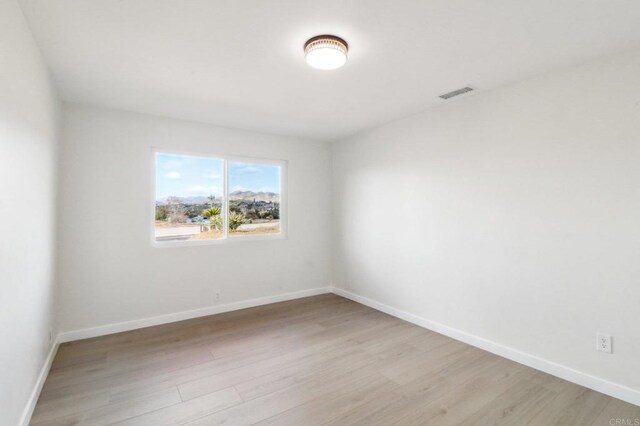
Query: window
point(200, 198)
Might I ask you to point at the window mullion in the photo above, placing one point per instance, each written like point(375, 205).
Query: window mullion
point(225, 210)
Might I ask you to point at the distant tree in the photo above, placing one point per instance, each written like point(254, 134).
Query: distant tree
point(213, 214)
point(252, 214)
point(175, 210)
point(211, 211)
point(265, 214)
point(216, 221)
point(161, 213)
point(235, 206)
point(235, 220)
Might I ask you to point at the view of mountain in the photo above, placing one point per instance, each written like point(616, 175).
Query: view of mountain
point(235, 195)
point(258, 196)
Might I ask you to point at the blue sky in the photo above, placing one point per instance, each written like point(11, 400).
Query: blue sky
point(186, 176)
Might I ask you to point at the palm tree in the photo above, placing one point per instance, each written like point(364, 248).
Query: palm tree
point(235, 220)
point(213, 214)
point(210, 212)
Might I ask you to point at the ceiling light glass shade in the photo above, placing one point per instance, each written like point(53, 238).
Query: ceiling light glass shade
point(326, 52)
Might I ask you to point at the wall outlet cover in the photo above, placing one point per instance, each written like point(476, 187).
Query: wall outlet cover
point(603, 342)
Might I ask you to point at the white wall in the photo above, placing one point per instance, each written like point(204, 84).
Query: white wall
point(513, 215)
point(109, 271)
point(28, 131)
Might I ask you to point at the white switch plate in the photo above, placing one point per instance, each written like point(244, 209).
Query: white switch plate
point(603, 342)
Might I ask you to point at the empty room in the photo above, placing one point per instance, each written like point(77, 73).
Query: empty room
point(339, 212)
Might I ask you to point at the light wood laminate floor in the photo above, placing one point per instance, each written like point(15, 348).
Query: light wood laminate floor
point(313, 361)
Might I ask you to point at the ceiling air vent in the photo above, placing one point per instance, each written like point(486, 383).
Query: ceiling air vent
point(456, 92)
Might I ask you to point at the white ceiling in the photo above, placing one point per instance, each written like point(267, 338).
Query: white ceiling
point(239, 63)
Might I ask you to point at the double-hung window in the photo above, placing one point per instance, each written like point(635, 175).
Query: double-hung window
point(202, 198)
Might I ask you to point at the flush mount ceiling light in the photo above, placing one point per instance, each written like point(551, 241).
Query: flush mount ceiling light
point(326, 52)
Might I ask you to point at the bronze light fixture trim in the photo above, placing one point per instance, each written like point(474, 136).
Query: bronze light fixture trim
point(326, 52)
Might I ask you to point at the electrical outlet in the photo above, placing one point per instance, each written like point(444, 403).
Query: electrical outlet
point(604, 342)
point(50, 335)
point(217, 296)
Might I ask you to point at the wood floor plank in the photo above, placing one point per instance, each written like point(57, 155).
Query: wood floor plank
point(340, 402)
point(262, 408)
point(575, 405)
point(277, 366)
point(465, 391)
point(48, 410)
point(312, 361)
point(114, 412)
point(185, 411)
point(618, 413)
point(521, 401)
point(301, 373)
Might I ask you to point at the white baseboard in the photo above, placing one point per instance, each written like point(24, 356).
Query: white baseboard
point(35, 393)
point(596, 383)
point(85, 333)
point(592, 382)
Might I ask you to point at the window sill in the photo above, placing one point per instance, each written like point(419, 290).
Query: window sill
point(229, 240)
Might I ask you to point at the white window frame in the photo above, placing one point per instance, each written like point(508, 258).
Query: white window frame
point(226, 239)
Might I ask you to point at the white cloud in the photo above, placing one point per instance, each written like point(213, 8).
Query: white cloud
point(211, 174)
point(172, 175)
point(170, 165)
point(204, 190)
point(246, 170)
